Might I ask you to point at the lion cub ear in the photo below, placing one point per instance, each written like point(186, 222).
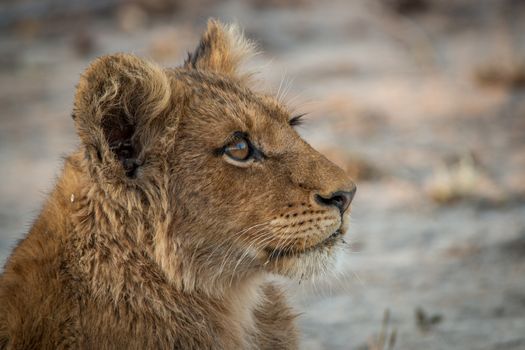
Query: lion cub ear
point(221, 49)
point(117, 103)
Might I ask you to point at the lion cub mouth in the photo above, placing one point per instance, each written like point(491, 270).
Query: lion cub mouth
point(327, 242)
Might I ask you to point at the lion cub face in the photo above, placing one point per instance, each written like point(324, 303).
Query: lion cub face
point(246, 193)
point(259, 186)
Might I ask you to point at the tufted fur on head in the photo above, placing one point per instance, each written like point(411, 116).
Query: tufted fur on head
point(188, 189)
point(221, 49)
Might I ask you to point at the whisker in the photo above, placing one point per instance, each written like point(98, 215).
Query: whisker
point(287, 88)
point(235, 238)
point(235, 235)
point(246, 252)
point(277, 96)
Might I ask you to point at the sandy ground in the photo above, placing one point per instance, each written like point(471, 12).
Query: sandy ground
point(425, 107)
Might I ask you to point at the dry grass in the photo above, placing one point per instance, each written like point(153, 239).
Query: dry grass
point(510, 76)
point(453, 182)
point(462, 180)
point(386, 338)
point(426, 322)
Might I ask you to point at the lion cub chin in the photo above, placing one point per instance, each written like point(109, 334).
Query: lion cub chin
point(187, 189)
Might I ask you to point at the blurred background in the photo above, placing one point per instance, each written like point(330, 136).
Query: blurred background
point(421, 101)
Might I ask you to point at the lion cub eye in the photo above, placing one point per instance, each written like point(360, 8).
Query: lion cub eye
point(239, 150)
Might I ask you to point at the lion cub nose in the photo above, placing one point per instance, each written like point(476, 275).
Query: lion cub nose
point(340, 199)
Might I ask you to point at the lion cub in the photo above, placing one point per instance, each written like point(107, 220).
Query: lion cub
point(187, 189)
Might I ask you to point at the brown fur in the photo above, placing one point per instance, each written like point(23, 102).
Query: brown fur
point(153, 240)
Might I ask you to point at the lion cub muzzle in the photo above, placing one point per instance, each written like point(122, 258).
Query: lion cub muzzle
point(340, 199)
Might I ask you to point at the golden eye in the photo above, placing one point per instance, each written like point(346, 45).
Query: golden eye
point(239, 150)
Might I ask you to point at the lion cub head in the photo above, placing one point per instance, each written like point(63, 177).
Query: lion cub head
point(226, 185)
